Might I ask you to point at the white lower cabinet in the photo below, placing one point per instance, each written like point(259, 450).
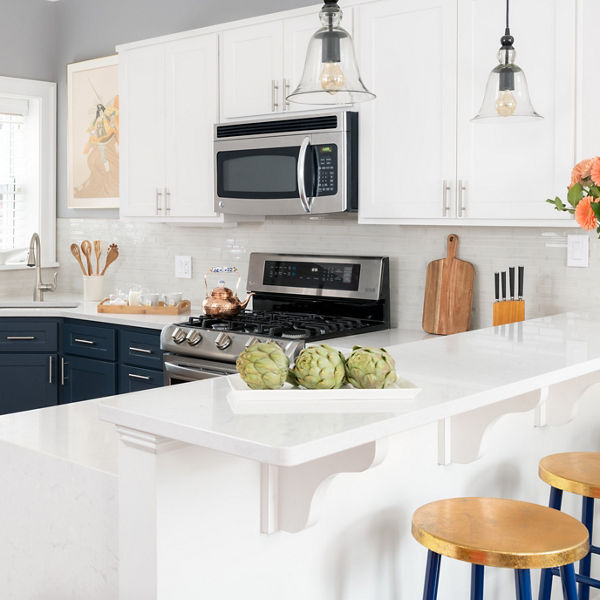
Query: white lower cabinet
point(169, 105)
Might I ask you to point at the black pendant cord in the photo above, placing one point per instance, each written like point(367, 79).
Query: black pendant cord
point(507, 30)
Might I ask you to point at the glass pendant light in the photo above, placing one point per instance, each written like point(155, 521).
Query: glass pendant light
point(330, 72)
point(506, 94)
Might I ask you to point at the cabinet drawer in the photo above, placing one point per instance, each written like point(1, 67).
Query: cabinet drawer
point(134, 379)
point(93, 342)
point(140, 348)
point(29, 335)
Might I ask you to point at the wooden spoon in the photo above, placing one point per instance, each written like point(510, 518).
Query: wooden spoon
point(97, 252)
point(111, 256)
point(86, 248)
point(75, 252)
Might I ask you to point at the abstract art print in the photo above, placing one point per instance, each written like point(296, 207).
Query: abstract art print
point(93, 133)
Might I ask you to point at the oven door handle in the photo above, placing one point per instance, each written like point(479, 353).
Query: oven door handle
point(174, 369)
point(304, 199)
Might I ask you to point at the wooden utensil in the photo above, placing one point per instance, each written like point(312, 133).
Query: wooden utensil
point(448, 293)
point(86, 248)
point(77, 254)
point(97, 252)
point(111, 255)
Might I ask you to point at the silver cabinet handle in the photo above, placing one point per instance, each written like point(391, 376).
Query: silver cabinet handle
point(158, 201)
point(445, 191)
point(167, 201)
point(274, 95)
point(50, 369)
point(306, 202)
point(143, 350)
point(88, 342)
point(20, 338)
point(286, 93)
point(460, 200)
point(134, 376)
point(62, 370)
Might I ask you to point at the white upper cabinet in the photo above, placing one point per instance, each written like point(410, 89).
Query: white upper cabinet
point(407, 56)
point(508, 169)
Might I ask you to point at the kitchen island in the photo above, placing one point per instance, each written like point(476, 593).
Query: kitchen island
point(222, 505)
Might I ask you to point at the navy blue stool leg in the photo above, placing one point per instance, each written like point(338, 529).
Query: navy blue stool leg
point(523, 584)
point(432, 576)
point(476, 582)
point(567, 576)
point(587, 518)
point(546, 577)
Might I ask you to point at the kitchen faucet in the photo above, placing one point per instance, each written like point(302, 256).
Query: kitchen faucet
point(34, 260)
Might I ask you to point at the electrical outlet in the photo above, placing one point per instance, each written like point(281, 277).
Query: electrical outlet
point(183, 267)
point(578, 250)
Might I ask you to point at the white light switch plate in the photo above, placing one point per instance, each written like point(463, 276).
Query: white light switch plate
point(183, 267)
point(578, 251)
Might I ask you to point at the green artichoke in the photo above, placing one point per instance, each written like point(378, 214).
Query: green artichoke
point(370, 368)
point(263, 366)
point(319, 368)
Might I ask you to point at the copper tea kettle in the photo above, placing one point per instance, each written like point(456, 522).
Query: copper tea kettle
point(221, 301)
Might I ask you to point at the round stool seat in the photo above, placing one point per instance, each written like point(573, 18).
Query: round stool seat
point(575, 472)
point(500, 533)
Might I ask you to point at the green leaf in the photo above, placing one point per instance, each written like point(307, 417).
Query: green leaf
point(575, 195)
point(594, 191)
point(596, 208)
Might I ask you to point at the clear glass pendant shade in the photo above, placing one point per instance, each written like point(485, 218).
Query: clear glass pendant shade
point(506, 92)
point(330, 73)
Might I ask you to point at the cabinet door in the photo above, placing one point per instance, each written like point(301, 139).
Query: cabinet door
point(509, 169)
point(192, 108)
point(251, 70)
point(296, 35)
point(28, 381)
point(142, 140)
point(87, 378)
point(407, 54)
point(135, 379)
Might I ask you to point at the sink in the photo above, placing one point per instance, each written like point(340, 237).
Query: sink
point(33, 304)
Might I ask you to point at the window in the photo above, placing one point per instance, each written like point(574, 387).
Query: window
point(27, 170)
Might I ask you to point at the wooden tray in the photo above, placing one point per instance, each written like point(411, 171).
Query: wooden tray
point(162, 309)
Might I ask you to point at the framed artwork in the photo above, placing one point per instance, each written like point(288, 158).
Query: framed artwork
point(93, 133)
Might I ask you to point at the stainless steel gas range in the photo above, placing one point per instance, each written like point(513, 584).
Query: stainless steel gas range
point(298, 299)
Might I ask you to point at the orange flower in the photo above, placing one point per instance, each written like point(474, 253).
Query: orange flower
point(581, 171)
point(584, 215)
point(595, 170)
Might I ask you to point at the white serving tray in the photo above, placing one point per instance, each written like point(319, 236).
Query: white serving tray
point(293, 400)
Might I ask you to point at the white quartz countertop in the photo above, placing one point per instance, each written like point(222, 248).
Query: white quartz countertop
point(457, 374)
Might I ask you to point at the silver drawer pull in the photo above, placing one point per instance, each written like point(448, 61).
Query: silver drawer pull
point(143, 350)
point(88, 342)
point(50, 369)
point(134, 376)
point(20, 338)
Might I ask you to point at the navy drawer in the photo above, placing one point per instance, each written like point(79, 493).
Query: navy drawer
point(135, 379)
point(141, 348)
point(28, 335)
point(90, 341)
point(86, 378)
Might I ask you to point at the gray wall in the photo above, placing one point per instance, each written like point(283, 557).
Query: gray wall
point(89, 29)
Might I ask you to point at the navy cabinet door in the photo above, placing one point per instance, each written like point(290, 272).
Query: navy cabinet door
point(136, 379)
point(27, 381)
point(87, 378)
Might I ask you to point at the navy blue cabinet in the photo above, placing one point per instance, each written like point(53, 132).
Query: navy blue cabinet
point(136, 379)
point(86, 378)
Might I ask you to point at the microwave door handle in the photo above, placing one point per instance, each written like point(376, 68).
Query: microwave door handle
point(306, 202)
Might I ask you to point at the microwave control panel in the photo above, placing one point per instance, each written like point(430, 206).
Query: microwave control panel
point(327, 169)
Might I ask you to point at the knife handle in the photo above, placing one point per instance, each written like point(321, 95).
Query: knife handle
point(497, 286)
point(521, 275)
point(503, 279)
point(511, 282)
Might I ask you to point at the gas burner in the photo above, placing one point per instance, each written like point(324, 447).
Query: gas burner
point(295, 334)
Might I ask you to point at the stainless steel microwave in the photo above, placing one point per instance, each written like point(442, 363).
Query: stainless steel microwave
point(291, 165)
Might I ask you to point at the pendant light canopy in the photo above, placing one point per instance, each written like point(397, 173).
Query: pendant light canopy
point(330, 72)
point(506, 93)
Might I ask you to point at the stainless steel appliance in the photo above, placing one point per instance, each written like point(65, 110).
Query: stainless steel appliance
point(298, 299)
point(287, 165)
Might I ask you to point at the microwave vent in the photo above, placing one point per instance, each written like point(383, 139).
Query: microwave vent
point(277, 126)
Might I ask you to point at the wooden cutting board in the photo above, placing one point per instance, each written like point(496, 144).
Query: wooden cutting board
point(448, 293)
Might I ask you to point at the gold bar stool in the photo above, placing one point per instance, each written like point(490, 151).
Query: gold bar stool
point(578, 473)
point(497, 532)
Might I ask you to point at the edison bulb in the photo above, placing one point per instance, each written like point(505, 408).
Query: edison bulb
point(506, 104)
point(332, 77)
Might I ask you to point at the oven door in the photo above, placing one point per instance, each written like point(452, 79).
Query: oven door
point(281, 175)
point(182, 369)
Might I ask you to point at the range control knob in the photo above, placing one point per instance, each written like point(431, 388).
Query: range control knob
point(194, 337)
point(222, 341)
point(178, 335)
